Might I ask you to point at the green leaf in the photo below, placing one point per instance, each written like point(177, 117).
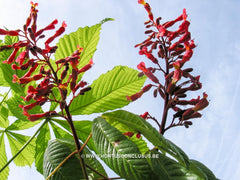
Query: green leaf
point(89, 159)
point(141, 144)
point(165, 168)
point(57, 151)
point(118, 150)
point(8, 73)
point(141, 125)
point(20, 124)
point(4, 122)
point(108, 91)
point(200, 169)
point(41, 145)
point(2, 80)
point(4, 174)
point(16, 141)
point(8, 40)
point(59, 132)
point(13, 105)
point(83, 129)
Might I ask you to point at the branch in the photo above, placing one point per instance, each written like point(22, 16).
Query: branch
point(78, 146)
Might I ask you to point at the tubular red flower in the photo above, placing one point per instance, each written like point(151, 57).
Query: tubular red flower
point(12, 56)
point(187, 114)
point(177, 76)
point(49, 27)
point(81, 84)
point(134, 97)
point(86, 67)
point(141, 2)
point(187, 55)
point(11, 33)
point(3, 32)
point(15, 67)
point(27, 64)
point(202, 103)
point(42, 91)
point(57, 33)
point(34, 117)
point(20, 59)
point(31, 70)
point(147, 72)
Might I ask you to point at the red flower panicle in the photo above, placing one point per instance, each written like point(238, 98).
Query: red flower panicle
point(174, 48)
point(40, 71)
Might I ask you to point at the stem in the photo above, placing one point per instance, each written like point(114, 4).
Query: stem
point(24, 146)
point(166, 99)
point(78, 146)
point(165, 113)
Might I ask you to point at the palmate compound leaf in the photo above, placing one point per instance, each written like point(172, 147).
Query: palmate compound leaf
point(118, 152)
point(57, 151)
point(108, 91)
point(141, 125)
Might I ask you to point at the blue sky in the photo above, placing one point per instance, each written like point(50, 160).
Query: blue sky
point(215, 26)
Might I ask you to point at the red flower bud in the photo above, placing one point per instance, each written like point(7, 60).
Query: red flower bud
point(138, 135)
point(145, 115)
point(82, 92)
point(146, 88)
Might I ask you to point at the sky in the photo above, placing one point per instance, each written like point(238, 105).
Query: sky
point(215, 26)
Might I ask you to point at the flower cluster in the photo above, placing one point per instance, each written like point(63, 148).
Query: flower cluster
point(173, 48)
point(28, 56)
